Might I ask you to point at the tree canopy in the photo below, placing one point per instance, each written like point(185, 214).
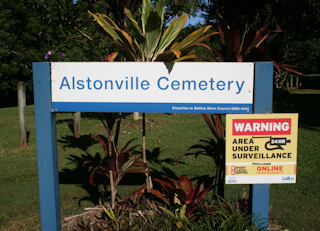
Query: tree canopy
point(51, 30)
point(299, 42)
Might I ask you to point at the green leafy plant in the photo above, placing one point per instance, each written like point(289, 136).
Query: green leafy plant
point(136, 212)
point(224, 219)
point(213, 148)
point(229, 216)
point(147, 42)
point(148, 214)
point(179, 216)
point(115, 164)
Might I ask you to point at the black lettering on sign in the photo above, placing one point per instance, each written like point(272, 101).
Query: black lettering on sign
point(243, 141)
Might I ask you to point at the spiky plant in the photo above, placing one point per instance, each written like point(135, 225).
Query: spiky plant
point(149, 40)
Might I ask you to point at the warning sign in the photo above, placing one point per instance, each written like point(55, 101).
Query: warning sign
point(261, 148)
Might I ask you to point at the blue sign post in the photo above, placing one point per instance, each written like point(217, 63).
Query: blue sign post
point(46, 149)
point(46, 127)
point(263, 89)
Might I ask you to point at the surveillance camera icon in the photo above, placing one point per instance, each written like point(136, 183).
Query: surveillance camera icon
point(276, 143)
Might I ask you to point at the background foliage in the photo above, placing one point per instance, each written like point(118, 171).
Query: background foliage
point(297, 44)
point(31, 28)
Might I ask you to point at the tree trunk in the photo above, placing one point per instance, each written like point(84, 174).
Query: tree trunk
point(136, 116)
point(22, 114)
point(76, 124)
point(112, 185)
point(144, 151)
point(113, 190)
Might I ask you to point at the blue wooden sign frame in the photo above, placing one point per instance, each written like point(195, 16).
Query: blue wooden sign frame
point(47, 145)
point(263, 98)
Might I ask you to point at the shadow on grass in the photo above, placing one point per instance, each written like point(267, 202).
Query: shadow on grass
point(153, 157)
point(82, 143)
point(79, 172)
point(161, 171)
point(164, 172)
point(99, 116)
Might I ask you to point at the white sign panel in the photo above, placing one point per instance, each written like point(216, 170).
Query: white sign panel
point(186, 87)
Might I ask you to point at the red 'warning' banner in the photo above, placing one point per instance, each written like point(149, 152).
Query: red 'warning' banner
point(261, 126)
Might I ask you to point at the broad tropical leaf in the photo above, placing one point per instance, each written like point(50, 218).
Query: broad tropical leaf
point(286, 67)
point(204, 37)
point(186, 186)
point(215, 125)
point(120, 163)
point(147, 43)
point(160, 10)
point(146, 10)
point(167, 211)
point(165, 184)
point(177, 53)
point(183, 193)
point(112, 56)
point(186, 57)
point(102, 142)
point(127, 36)
point(126, 146)
point(191, 38)
point(158, 194)
point(152, 34)
point(170, 34)
point(106, 26)
point(133, 21)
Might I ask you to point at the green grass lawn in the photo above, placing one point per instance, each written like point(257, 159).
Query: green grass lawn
point(296, 207)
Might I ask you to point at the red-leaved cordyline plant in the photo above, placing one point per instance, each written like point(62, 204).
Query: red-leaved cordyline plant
point(213, 148)
point(183, 193)
point(238, 46)
point(115, 164)
point(281, 73)
point(140, 200)
point(136, 195)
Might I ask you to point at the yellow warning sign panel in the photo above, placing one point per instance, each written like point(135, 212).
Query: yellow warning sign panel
point(261, 148)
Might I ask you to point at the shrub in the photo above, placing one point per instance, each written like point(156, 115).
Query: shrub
point(140, 211)
point(115, 164)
